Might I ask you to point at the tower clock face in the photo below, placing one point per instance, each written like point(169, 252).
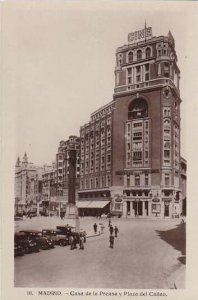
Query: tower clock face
point(166, 92)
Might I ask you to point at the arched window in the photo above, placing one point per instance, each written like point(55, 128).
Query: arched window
point(166, 122)
point(139, 54)
point(130, 57)
point(138, 109)
point(148, 52)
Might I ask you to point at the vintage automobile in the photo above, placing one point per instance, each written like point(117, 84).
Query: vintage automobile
point(44, 243)
point(70, 230)
point(18, 250)
point(28, 246)
point(56, 236)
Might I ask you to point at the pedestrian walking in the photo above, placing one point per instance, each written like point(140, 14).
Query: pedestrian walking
point(102, 228)
point(111, 229)
point(95, 228)
point(109, 222)
point(111, 240)
point(81, 242)
point(116, 231)
point(71, 241)
point(75, 240)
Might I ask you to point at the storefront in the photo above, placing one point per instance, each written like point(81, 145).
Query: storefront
point(93, 208)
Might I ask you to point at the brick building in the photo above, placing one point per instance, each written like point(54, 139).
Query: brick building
point(130, 149)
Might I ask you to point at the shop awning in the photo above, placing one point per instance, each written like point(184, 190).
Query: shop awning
point(82, 204)
point(92, 204)
point(98, 204)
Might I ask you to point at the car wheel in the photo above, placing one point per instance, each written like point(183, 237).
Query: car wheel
point(43, 247)
point(62, 243)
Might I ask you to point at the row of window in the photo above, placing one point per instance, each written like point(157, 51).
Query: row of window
point(138, 55)
point(137, 180)
point(89, 183)
point(138, 74)
point(137, 144)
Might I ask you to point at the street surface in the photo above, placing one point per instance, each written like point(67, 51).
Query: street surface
point(140, 259)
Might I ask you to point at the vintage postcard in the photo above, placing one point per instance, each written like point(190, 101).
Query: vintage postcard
point(98, 149)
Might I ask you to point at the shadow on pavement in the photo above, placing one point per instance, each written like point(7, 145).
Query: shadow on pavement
point(176, 237)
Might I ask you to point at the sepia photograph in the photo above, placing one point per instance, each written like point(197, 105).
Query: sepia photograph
point(95, 151)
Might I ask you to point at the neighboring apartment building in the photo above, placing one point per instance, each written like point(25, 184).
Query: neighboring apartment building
point(130, 149)
point(49, 190)
point(30, 186)
point(62, 162)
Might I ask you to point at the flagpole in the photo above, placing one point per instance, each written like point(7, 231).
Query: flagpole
point(145, 30)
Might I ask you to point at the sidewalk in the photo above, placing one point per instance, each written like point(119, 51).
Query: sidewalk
point(178, 278)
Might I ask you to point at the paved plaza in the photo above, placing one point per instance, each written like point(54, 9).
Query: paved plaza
point(147, 254)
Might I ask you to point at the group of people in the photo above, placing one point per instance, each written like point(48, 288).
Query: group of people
point(75, 239)
point(112, 230)
point(95, 227)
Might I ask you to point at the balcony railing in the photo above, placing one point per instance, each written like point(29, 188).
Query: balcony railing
point(143, 85)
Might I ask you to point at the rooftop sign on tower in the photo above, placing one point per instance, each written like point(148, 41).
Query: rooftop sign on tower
point(140, 35)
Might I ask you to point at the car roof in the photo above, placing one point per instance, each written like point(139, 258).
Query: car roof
point(65, 226)
point(19, 234)
point(30, 231)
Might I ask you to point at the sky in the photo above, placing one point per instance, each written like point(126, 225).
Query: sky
point(61, 59)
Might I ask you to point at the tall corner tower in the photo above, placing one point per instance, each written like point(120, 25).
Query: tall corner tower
point(146, 126)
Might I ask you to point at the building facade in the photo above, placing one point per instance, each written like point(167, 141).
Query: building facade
point(24, 171)
point(130, 149)
point(62, 162)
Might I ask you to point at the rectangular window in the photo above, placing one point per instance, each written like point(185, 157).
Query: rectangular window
point(129, 80)
point(147, 77)
point(138, 78)
point(147, 67)
point(146, 179)
point(166, 70)
point(128, 180)
point(167, 179)
point(97, 182)
point(138, 69)
point(167, 153)
point(139, 124)
point(137, 155)
point(108, 180)
point(137, 180)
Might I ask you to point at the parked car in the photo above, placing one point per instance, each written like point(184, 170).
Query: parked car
point(17, 218)
point(70, 230)
point(44, 214)
point(56, 236)
point(44, 243)
point(18, 250)
point(28, 246)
